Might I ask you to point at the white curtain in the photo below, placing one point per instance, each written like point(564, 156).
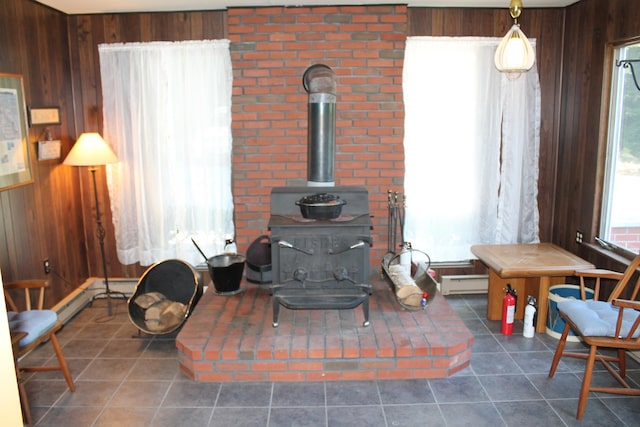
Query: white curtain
point(471, 148)
point(167, 114)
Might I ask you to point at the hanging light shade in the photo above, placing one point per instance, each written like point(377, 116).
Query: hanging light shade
point(515, 53)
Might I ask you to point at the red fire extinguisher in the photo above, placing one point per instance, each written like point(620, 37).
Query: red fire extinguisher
point(508, 310)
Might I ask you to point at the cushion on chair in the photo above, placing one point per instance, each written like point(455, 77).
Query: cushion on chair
point(33, 322)
point(598, 318)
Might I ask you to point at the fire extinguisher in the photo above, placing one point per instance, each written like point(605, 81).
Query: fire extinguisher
point(528, 329)
point(508, 310)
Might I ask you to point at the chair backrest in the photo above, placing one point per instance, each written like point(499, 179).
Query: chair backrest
point(33, 291)
point(627, 281)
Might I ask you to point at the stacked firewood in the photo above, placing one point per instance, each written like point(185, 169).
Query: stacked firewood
point(160, 313)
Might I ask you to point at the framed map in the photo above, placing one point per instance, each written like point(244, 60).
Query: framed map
point(15, 159)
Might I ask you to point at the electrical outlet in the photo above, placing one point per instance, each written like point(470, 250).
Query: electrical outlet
point(579, 236)
point(47, 266)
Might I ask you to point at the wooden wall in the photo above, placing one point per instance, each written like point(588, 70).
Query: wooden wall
point(57, 55)
point(590, 26)
point(43, 219)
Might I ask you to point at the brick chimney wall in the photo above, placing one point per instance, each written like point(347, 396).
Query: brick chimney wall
point(271, 48)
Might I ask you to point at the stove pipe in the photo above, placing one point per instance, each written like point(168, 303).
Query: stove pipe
point(319, 82)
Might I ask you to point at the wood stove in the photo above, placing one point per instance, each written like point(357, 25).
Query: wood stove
point(320, 264)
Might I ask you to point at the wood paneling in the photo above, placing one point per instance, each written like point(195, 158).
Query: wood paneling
point(590, 26)
point(43, 219)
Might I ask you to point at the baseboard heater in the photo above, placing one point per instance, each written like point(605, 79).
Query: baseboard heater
point(73, 303)
point(464, 284)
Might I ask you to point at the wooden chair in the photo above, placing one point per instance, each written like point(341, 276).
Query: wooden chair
point(610, 325)
point(33, 326)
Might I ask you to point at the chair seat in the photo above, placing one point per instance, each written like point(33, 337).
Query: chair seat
point(598, 318)
point(33, 322)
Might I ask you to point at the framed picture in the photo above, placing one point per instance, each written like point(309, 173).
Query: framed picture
point(15, 158)
point(44, 116)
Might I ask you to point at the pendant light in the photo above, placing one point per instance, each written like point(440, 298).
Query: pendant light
point(515, 54)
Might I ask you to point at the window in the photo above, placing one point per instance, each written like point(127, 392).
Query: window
point(471, 148)
point(620, 217)
point(167, 113)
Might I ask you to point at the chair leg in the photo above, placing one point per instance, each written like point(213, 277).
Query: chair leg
point(586, 382)
point(559, 350)
point(63, 363)
point(622, 362)
point(26, 409)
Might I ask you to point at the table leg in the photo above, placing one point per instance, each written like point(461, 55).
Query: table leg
point(496, 292)
point(543, 304)
point(542, 299)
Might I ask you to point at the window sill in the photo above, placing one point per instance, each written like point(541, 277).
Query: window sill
point(623, 259)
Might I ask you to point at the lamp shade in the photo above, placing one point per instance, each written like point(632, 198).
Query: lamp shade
point(90, 150)
point(514, 53)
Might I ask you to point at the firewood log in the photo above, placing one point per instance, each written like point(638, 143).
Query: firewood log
point(148, 299)
point(407, 291)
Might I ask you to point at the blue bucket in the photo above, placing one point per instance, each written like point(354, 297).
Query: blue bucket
point(557, 293)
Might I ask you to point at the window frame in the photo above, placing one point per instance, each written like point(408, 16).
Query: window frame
point(604, 166)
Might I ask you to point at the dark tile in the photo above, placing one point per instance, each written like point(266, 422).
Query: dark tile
point(240, 417)
point(107, 369)
point(89, 393)
point(350, 416)
point(83, 348)
point(595, 414)
point(493, 325)
point(70, 416)
point(517, 343)
point(129, 416)
point(414, 415)
point(254, 395)
point(405, 392)
point(190, 394)
point(560, 386)
point(486, 344)
point(140, 394)
point(535, 362)
point(476, 327)
point(154, 369)
point(45, 392)
point(98, 331)
point(524, 414)
point(172, 417)
point(458, 389)
point(626, 408)
point(509, 387)
point(298, 417)
point(471, 414)
point(352, 393)
point(464, 311)
point(123, 348)
point(298, 394)
point(159, 348)
point(492, 364)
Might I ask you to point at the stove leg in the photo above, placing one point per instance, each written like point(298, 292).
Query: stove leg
point(276, 310)
point(365, 308)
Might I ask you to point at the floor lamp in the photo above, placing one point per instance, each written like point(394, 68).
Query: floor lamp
point(92, 151)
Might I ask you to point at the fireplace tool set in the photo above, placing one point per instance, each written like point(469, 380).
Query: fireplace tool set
point(407, 268)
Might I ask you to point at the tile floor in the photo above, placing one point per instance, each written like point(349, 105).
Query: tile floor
point(123, 379)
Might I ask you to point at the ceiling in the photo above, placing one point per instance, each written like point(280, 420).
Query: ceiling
point(77, 7)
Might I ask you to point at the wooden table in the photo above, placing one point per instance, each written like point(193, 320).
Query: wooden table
point(531, 269)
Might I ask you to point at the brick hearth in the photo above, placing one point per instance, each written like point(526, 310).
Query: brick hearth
point(231, 338)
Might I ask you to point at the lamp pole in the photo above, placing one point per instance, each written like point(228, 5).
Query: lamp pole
point(92, 151)
point(101, 234)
